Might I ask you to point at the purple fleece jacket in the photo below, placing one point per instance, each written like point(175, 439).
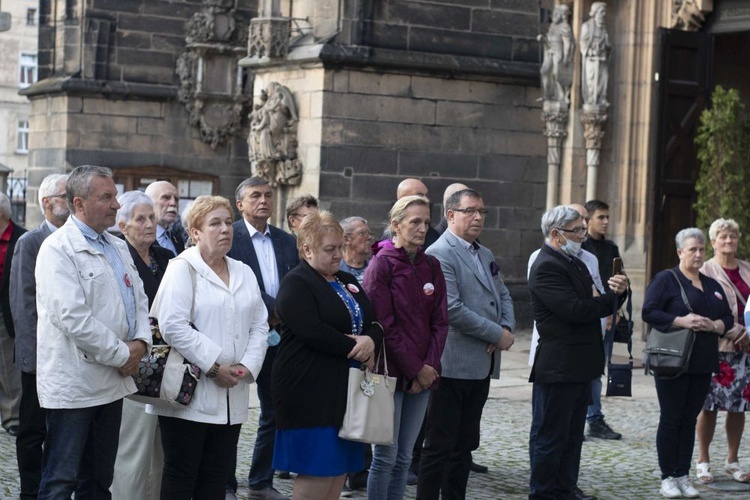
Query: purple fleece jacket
point(410, 301)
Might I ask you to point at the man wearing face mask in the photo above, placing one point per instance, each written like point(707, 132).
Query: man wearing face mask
point(592, 265)
point(567, 309)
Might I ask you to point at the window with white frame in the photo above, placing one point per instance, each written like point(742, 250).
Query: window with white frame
point(22, 137)
point(28, 68)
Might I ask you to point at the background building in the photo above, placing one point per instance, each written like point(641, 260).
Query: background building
point(443, 90)
point(18, 70)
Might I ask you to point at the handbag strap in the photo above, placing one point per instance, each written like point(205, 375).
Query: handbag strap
point(610, 333)
point(682, 290)
point(385, 359)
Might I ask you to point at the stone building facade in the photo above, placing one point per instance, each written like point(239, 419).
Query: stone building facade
point(443, 90)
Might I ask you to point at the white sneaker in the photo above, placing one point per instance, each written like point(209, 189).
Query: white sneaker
point(670, 489)
point(686, 487)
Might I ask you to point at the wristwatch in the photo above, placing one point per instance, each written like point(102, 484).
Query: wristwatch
point(213, 371)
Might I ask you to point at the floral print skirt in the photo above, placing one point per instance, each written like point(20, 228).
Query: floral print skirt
point(730, 388)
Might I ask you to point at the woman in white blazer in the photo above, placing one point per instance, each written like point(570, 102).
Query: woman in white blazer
point(222, 326)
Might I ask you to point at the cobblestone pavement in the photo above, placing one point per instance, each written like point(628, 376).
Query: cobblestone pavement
point(612, 470)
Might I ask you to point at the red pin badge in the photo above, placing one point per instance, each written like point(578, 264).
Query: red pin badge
point(718, 296)
point(352, 288)
point(428, 288)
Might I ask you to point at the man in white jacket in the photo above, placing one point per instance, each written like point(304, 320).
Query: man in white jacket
point(92, 332)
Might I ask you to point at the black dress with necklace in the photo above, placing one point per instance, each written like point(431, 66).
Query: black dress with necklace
point(151, 275)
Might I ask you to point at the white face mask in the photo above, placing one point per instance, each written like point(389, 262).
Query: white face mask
point(572, 248)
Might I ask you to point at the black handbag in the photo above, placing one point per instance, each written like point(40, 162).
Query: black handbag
point(620, 376)
point(624, 327)
point(667, 354)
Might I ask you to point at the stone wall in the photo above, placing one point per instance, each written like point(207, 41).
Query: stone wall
point(381, 128)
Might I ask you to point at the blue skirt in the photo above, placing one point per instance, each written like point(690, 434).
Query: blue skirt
point(317, 451)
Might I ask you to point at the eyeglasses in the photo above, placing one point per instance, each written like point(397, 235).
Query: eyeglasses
point(57, 196)
point(363, 233)
point(580, 231)
point(471, 212)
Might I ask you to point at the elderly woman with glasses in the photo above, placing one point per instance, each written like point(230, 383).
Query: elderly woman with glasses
point(681, 398)
point(730, 387)
point(139, 461)
point(357, 252)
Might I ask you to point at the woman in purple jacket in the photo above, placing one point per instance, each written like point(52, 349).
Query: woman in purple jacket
point(407, 289)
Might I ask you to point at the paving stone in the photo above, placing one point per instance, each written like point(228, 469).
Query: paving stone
point(611, 470)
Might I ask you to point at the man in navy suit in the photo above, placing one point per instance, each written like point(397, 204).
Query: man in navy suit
point(32, 429)
point(567, 309)
point(270, 253)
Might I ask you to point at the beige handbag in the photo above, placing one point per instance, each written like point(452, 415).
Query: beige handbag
point(369, 406)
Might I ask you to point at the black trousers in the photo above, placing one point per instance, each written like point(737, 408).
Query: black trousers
point(32, 430)
point(451, 434)
point(196, 458)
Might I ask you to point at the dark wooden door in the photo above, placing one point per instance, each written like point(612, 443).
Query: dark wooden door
point(683, 69)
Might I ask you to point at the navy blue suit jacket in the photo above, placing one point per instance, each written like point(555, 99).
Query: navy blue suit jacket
point(284, 246)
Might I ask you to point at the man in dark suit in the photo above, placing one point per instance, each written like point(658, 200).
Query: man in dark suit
point(31, 427)
point(10, 379)
point(567, 310)
point(270, 253)
point(167, 209)
point(480, 320)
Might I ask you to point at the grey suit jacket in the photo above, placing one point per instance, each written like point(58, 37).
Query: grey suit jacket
point(23, 295)
point(478, 307)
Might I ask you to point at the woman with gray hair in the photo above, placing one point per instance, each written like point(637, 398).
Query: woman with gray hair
point(733, 379)
point(138, 467)
point(681, 398)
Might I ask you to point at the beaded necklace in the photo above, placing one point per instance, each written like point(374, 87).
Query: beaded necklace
point(355, 313)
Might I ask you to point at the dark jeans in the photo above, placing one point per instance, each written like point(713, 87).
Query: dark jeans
point(451, 434)
point(196, 461)
point(80, 452)
point(680, 401)
point(557, 421)
point(261, 470)
point(32, 429)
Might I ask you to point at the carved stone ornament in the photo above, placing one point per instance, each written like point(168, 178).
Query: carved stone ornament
point(687, 15)
point(272, 142)
point(595, 50)
point(212, 85)
point(269, 38)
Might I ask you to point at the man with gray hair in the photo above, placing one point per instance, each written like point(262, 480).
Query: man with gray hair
point(92, 332)
point(567, 310)
point(32, 429)
point(357, 251)
point(10, 380)
point(167, 210)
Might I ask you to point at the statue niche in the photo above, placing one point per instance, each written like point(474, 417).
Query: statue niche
point(273, 137)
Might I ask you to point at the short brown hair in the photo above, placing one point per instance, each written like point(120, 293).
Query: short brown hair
point(314, 227)
point(201, 207)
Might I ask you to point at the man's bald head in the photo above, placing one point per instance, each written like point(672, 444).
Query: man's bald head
point(410, 187)
point(453, 188)
point(580, 209)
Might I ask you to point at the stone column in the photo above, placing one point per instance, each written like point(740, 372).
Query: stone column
point(593, 119)
point(555, 118)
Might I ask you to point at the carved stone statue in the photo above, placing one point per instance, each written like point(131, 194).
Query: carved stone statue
point(687, 15)
point(273, 137)
point(557, 65)
point(595, 49)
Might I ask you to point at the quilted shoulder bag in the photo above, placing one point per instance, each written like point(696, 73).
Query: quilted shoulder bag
point(369, 405)
point(165, 378)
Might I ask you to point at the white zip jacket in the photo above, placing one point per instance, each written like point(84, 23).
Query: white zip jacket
point(232, 327)
point(81, 327)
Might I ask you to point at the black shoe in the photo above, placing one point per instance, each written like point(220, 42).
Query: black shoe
point(284, 474)
point(411, 478)
point(579, 495)
point(358, 480)
point(479, 469)
point(12, 430)
point(600, 429)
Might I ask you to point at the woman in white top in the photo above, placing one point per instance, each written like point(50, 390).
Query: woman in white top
point(228, 342)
